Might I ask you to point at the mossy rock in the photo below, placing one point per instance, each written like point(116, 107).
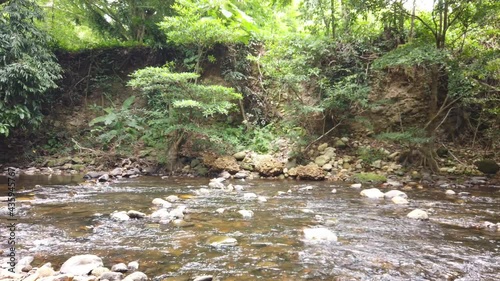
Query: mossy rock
point(370, 177)
point(487, 166)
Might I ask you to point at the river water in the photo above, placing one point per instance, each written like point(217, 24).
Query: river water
point(62, 217)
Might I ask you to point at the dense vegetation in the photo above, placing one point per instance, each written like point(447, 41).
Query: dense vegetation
point(288, 69)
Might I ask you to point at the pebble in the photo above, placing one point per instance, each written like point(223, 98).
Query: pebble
point(356, 185)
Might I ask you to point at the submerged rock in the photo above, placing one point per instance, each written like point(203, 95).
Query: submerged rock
point(221, 241)
point(81, 264)
point(418, 214)
point(319, 234)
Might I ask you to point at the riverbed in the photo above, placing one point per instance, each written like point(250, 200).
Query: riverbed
point(61, 216)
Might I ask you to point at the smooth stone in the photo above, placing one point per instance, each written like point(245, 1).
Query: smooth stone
point(250, 195)
point(120, 216)
point(161, 214)
point(393, 183)
point(220, 210)
point(221, 241)
point(239, 156)
point(119, 267)
point(356, 185)
point(399, 200)
point(45, 271)
point(136, 276)
point(418, 215)
point(111, 276)
point(395, 193)
point(246, 214)
point(450, 192)
point(133, 266)
point(178, 212)
point(172, 198)
point(240, 175)
point(99, 271)
point(162, 203)
point(81, 264)
point(372, 193)
point(319, 234)
point(216, 185)
point(204, 278)
point(136, 214)
point(334, 191)
point(262, 199)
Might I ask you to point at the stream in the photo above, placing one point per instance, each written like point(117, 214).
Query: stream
point(61, 216)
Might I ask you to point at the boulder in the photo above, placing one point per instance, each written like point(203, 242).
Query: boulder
point(225, 163)
point(268, 166)
point(310, 172)
point(372, 193)
point(81, 264)
point(487, 166)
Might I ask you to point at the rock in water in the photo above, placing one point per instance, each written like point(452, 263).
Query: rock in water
point(418, 215)
point(136, 276)
point(204, 278)
point(398, 200)
point(395, 193)
point(119, 267)
point(246, 214)
point(81, 264)
point(133, 266)
point(319, 234)
point(111, 276)
point(372, 193)
point(222, 241)
point(487, 166)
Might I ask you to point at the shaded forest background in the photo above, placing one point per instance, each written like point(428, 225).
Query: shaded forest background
point(173, 79)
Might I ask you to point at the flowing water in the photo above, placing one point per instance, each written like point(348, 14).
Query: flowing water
point(63, 217)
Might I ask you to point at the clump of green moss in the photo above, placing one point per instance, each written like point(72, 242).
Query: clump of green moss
point(370, 177)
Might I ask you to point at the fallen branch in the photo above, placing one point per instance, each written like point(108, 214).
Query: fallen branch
point(323, 135)
point(80, 147)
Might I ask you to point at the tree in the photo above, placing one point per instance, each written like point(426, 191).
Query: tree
point(128, 20)
point(28, 69)
point(179, 107)
point(202, 24)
